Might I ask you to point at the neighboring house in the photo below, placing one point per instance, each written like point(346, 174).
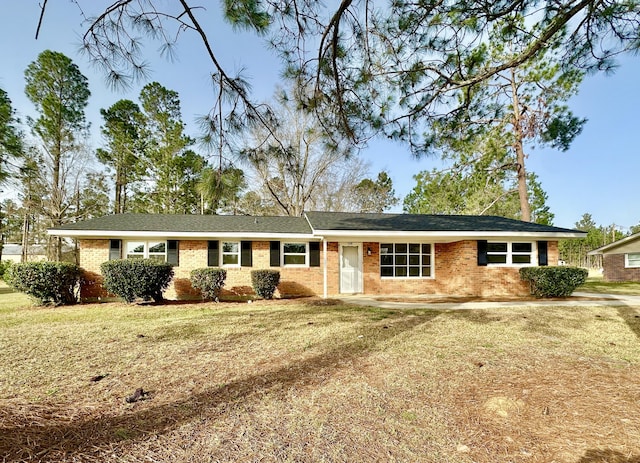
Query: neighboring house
point(621, 259)
point(13, 252)
point(327, 253)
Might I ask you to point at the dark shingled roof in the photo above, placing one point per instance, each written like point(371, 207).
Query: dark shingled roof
point(177, 223)
point(424, 222)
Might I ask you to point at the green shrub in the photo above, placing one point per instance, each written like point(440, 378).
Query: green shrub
point(265, 282)
point(4, 266)
point(553, 281)
point(209, 281)
point(47, 282)
point(131, 279)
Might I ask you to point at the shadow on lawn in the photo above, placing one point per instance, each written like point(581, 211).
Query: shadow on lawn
point(607, 456)
point(90, 436)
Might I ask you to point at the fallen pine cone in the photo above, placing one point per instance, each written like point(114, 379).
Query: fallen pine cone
point(97, 378)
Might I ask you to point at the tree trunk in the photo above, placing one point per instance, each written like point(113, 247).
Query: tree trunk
point(525, 208)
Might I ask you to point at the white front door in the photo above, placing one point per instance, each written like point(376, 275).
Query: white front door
point(350, 269)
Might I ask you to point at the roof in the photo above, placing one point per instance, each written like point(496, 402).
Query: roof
point(616, 244)
point(425, 222)
point(184, 225)
point(315, 225)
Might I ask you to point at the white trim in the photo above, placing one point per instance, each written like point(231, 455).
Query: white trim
point(614, 245)
point(626, 260)
point(116, 234)
point(306, 254)
point(534, 261)
point(325, 270)
point(146, 245)
point(431, 266)
point(444, 236)
point(221, 254)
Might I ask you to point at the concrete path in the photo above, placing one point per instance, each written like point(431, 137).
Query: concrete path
point(418, 301)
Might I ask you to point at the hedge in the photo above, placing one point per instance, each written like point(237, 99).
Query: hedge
point(48, 282)
point(4, 266)
point(133, 279)
point(209, 281)
point(265, 282)
point(553, 281)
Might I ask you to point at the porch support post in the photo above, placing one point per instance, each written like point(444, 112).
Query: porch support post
point(324, 265)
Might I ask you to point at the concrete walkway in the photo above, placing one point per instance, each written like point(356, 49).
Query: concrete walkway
point(420, 301)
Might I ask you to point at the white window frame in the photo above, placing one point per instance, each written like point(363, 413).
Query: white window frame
point(283, 254)
point(146, 253)
point(627, 261)
point(509, 253)
point(431, 264)
point(223, 253)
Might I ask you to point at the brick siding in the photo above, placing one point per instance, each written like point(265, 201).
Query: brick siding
point(454, 271)
point(614, 269)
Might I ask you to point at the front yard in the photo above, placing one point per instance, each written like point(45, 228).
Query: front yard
point(312, 381)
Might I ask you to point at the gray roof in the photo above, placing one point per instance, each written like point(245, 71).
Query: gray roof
point(345, 222)
point(425, 222)
point(177, 223)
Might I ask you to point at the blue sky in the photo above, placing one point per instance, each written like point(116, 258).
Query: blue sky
point(599, 175)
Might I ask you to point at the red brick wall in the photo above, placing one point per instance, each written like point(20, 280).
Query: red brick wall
point(454, 271)
point(614, 270)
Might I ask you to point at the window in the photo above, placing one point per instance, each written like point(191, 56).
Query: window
point(294, 253)
point(156, 250)
point(230, 253)
point(509, 253)
point(632, 259)
point(405, 260)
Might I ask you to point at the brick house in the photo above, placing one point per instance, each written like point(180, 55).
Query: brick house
point(327, 253)
point(621, 259)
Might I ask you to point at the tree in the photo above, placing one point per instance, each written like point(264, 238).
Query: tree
point(60, 93)
point(517, 107)
point(574, 252)
point(173, 169)
point(294, 163)
point(375, 196)
point(220, 189)
point(378, 66)
point(123, 123)
point(473, 190)
point(11, 145)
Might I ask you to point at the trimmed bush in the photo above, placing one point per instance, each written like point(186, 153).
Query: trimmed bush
point(133, 279)
point(47, 282)
point(209, 281)
point(553, 281)
point(4, 266)
point(265, 282)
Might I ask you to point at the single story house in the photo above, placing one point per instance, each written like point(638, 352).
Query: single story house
point(621, 259)
point(327, 253)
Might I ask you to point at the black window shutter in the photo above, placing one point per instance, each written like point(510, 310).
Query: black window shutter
point(482, 252)
point(314, 254)
point(172, 252)
point(213, 259)
point(115, 249)
point(245, 254)
point(543, 254)
point(274, 254)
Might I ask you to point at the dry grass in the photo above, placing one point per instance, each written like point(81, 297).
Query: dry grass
point(310, 381)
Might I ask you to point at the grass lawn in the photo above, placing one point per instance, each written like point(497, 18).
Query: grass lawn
point(598, 285)
point(313, 381)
